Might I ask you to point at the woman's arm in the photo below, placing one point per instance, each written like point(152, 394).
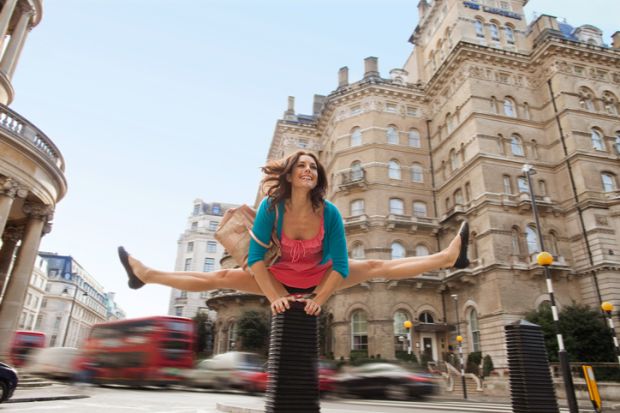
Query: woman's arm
point(322, 292)
point(272, 289)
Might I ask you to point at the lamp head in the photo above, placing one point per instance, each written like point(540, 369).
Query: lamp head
point(528, 169)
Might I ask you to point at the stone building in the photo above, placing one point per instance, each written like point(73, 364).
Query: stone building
point(32, 179)
point(444, 139)
point(34, 296)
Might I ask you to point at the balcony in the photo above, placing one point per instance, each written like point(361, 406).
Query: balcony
point(353, 179)
point(358, 222)
point(410, 223)
point(455, 211)
point(524, 202)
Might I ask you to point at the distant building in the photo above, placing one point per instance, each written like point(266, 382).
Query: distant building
point(30, 316)
point(113, 311)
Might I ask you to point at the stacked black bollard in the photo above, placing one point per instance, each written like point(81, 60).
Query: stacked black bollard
point(293, 363)
point(531, 385)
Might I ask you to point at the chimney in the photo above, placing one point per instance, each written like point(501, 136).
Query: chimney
point(371, 67)
point(317, 104)
point(290, 111)
point(615, 40)
point(422, 9)
point(343, 77)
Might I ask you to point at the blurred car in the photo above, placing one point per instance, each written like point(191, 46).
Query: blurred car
point(384, 380)
point(8, 382)
point(53, 362)
point(231, 370)
point(257, 382)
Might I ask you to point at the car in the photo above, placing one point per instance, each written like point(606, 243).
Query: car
point(257, 382)
point(8, 382)
point(53, 362)
point(383, 380)
point(231, 370)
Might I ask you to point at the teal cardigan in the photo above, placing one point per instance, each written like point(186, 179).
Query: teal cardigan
point(334, 241)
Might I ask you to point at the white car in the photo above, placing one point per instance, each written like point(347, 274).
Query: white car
point(53, 362)
point(225, 371)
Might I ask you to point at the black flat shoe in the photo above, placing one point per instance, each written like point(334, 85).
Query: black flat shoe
point(133, 282)
point(462, 261)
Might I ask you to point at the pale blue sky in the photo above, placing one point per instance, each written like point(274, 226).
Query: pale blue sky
point(155, 103)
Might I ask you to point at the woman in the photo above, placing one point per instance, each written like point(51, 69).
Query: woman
point(314, 252)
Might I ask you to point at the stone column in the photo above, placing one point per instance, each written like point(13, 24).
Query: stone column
point(14, 49)
point(5, 18)
point(10, 237)
point(9, 189)
point(17, 286)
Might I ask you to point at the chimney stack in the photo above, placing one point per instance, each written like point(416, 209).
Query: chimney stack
point(422, 8)
point(290, 111)
point(371, 67)
point(317, 104)
point(343, 77)
point(615, 40)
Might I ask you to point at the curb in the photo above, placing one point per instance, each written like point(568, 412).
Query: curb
point(236, 409)
point(46, 399)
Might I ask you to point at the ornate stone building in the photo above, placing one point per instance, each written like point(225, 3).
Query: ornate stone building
point(32, 177)
point(444, 139)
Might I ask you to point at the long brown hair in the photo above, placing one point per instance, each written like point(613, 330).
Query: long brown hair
point(278, 188)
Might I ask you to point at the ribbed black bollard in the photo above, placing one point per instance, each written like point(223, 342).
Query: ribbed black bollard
point(293, 384)
point(531, 385)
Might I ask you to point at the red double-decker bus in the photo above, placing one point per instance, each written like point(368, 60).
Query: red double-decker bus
point(150, 351)
point(22, 345)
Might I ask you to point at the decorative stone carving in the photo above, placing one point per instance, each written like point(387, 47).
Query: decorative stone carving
point(39, 211)
point(10, 188)
point(601, 220)
point(13, 233)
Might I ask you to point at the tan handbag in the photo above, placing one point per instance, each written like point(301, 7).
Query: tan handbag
point(234, 233)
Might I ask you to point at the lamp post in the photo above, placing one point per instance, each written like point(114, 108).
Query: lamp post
point(545, 259)
point(459, 339)
point(65, 292)
point(608, 307)
point(407, 324)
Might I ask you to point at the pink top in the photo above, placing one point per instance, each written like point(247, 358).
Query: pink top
point(299, 266)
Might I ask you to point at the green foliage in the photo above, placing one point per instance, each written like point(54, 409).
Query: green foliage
point(586, 336)
point(201, 326)
point(487, 366)
point(473, 362)
point(253, 331)
point(406, 357)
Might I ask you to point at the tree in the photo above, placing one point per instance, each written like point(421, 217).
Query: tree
point(201, 324)
point(586, 336)
point(253, 331)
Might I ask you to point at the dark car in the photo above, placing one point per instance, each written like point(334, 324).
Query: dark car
point(384, 380)
point(8, 382)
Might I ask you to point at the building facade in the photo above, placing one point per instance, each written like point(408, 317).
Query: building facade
point(32, 179)
point(444, 139)
point(34, 297)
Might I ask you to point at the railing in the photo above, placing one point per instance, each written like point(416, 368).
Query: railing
point(22, 129)
point(353, 177)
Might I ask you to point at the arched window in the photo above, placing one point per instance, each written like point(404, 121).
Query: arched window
point(419, 209)
point(542, 188)
point(609, 182)
point(357, 251)
point(356, 137)
point(532, 239)
point(357, 207)
point(617, 142)
point(586, 99)
point(232, 336)
point(454, 163)
point(516, 145)
point(359, 331)
point(610, 102)
point(473, 247)
point(421, 250)
point(397, 206)
point(392, 135)
point(400, 332)
point(417, 173)
point(507, 184)
point(449, 123)
point(494, 31)
point(356, 171)
point(414, 138)
point(493, 104)
point(510, 34)
point(467, 192)
point(522, 184)
point(398, 251)
point(458, 197)
point(534, 149)
point(516, 248)
point(426, 318)
point(526, 110)
point(553, 241)
point(394, 169)
point(475, 330)
point(509, 107)
point(597, 140)
point(479, 25)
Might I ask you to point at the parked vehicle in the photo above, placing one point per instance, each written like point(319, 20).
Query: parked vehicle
point(384, 380)
point(53, 362)
point(8, 382)
point(23, 343)
point(234, 369)
point(257, 382)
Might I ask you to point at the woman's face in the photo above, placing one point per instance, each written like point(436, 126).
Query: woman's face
point(304, 174)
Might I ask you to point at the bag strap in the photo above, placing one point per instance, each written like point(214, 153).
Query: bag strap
point(255, 238)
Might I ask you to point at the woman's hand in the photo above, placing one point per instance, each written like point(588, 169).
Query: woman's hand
point(312, 307)
point(281, 304)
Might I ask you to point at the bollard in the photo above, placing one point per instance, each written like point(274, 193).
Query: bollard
point(531, 385)
point(293, 384)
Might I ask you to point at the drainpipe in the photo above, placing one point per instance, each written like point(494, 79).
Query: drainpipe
point(430, 150)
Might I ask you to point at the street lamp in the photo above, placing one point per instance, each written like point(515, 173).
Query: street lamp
point(64, 293)
point(608, 307)
point(545, 259)
point(407, 324)
point(459, 339)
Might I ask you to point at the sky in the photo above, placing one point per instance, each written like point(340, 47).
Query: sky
point(154, 104)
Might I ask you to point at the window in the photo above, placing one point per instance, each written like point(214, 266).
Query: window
point(421, 250)
point(609, 182)
point(534, 147)
point(196, 209)
point(493, 105)
point(357, 207)
point(597, 140)
point(617, 142)
point(507, 184)
point(414, 139)
point(194, 226)
point(522, 184)
point(357, 252)
point(449, 123)
point(494, 31)
point(394, 169)
point(209, 265)
point(356, 110)
point(398, 251)
point(57, 321)
point(392, 135)
point(553, 241)
point(216, 209)
point(509, 107)
point(526, 110)
point(232, 336)
point(479, 28)
point(542, 188)
point(359, 331)
point(211, 246)
point(585, 99)
point(426, 318)
point(611, 103)
point(516, 249)
point(397, 206)
point(510, 35)
point(400, 331)
point(532, 239)
point(454, 163)
point(417, 173)
point(390, 107)
point(458, 197)
point(516, 145)
point(212, 225)
point(356, 137)
point(419, 209)
point(190, 246)
point(467, 192)
point(188, 264)
point(356, 171)
point(475, 330)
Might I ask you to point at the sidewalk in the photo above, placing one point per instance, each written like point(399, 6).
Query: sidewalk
point(47, 393)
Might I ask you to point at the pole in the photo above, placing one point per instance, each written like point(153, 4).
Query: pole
point(607, 307)
point(459, 339)
point(562, 354)
point(64, 340)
